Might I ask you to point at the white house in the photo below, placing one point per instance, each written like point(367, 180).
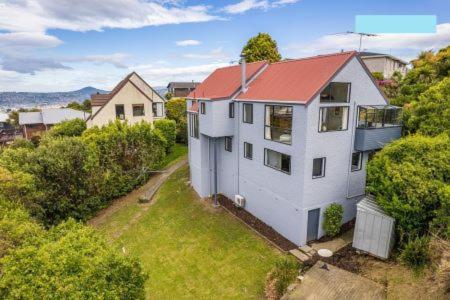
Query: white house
point(289, 137)
point(384, 63)
point(132, 100)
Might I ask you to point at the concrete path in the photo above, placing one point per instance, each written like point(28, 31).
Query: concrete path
point(148, 190)
point(334, 283)
point(335, 244)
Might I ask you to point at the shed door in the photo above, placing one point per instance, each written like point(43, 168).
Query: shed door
point(313, 224)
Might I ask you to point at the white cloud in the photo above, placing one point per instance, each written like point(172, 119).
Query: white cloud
point(245, 5)
point(405, 46)
point(30, 65)
point(187, 43)
point(116, 59)
point(13, 42)
point(216, 54)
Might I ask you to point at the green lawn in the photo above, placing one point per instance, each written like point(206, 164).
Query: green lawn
point(177, 153)
point(191, 250)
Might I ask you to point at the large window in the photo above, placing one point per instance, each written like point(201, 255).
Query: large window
point(247, 113)
point(278, 124)
point(248, 150)
point(318, 167)
point(202, 108)
point(120, 111)
point(277, 161)
point(228, 143)
point(157, 109)
point(193, 125)
point(336, 92)
point(138, 110)
point(231, 110)
point(356, 161)
point(333, 118)
point(379, 116)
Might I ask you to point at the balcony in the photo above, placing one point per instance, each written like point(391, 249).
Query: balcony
point(377, 126)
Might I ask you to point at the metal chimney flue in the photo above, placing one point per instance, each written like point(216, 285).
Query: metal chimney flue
point(243, 72)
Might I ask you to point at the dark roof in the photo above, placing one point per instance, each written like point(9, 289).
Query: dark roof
point(102, 99)
point(183, 85)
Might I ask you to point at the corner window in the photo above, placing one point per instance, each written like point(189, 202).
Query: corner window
point(228, 143)
point(120, 112)
point(318, 167)
point(278, 124)
point(336, 92)
point(193, 126)
point(138, 110)
point(202, 108)
point(277, 161)
point(231, 110)
point(333, 118)
point(157, 109)
point(356, 161)
point(247, 113)
point(248, 150)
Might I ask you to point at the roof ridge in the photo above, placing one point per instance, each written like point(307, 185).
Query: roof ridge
point(248, 63)
point(316, 56)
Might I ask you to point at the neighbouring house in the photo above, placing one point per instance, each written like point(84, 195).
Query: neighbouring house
point(284, 140)
point(7, 132)
point(181, 89)
point(384, 63)
point(36, 122)
point(132, 100)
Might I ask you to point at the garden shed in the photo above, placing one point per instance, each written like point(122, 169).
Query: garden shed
point(374, 230)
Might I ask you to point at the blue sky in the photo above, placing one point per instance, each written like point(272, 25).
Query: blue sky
point(59, 45)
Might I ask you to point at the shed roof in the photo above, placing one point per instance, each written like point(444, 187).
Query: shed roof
point(51, 116)
point(368, 204)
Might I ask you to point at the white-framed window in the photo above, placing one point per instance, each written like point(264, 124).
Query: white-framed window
point(278, 161)
point(333, 118)
point(158, 109)
point(247, 114)
point(336, 92)
point(248, 150)
point(356, 161)
point(138, 110)
point(278, 123)
point(318, 170)
point(228, 143)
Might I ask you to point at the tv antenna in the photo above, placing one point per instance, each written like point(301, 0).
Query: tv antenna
point(361, 34)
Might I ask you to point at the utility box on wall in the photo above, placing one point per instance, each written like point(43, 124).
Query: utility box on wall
point(374, 230)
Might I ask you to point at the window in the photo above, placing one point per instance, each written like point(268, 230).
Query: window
point(378, 116)
point(157, 109)
point(202, 108)
point(318, 167)
point(231, 110)
point(336, 92)
point(248, 150)
point(138, 110)
point(278, 124)
point(333, 118)
point(228, 143)
point(248, 113)
point(120, 111)
point(356, 161)
point(277, 161)
point(193, 125)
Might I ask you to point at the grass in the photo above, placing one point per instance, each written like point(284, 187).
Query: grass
point(178, 152)
point(191, 250)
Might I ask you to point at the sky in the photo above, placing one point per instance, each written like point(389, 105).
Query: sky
point(64, 45)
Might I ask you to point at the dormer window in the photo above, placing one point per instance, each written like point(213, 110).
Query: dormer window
point(336, 92)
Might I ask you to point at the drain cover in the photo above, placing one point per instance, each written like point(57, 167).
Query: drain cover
point(325, 252)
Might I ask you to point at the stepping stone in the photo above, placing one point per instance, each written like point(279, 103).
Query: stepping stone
point(300, 255)
point(306, 248)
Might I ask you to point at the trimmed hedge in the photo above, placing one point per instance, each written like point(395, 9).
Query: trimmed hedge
point(168, 129)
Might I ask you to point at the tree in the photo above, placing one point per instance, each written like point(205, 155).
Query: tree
point(87, 105)
point(378, 75)
point(168, 96)
point(73, 127)
point(261, 47)
point(176, 110)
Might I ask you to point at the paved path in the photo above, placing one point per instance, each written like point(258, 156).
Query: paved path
point(334, 283)
point(148, 190)
point(335, 244)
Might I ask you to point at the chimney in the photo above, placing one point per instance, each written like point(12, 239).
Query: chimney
point(243, 72)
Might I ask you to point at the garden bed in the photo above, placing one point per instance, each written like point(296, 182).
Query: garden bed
point(259, 226)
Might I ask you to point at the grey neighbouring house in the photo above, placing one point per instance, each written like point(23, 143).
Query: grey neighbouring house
point(386, 64)
point(181, 89)
point(289, 138)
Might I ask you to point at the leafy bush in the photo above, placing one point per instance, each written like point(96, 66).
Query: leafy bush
point(176, 110)
point(333, 217)
point(168, 130)
point(21, 143)
point(73, 127)
point(416, 252)
point(284, 273)
point(378, 75)
point(410, 181)
point(70, 261)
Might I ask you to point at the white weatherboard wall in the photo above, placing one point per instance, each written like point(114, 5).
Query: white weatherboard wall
point(374, 230)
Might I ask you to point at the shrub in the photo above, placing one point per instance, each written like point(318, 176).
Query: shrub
point(378, 75)
point(416, 253)
point(71, 261)
point(333, 217)
point(21, 143)
point(284, 273)
point(168, 130)
point(73, 127)
point(176, 110)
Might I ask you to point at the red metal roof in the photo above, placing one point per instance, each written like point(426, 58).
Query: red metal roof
point(296, 80)
point(224, 82)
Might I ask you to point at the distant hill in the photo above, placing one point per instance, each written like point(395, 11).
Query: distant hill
point(30, 99)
